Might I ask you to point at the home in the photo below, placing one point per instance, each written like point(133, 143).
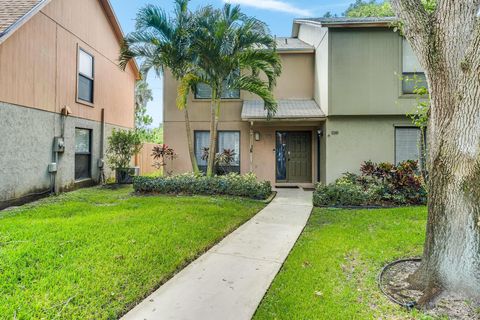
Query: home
point(346, 87)
point(61, 93)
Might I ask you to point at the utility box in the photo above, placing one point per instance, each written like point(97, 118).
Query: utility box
point(58, 144)
point(52, 167)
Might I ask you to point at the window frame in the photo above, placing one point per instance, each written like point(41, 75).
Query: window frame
point(77, 98)
point(395, 142)
point(404, 74)
point(204, 168)
point(89, 154)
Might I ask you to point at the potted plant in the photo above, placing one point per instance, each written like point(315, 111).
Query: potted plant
point(122, 146)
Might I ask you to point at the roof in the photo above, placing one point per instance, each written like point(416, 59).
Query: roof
point(293, 44)
point(347, 22)
point(15, 13)
point(287, 110)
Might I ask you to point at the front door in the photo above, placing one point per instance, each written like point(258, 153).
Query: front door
point(294, 156)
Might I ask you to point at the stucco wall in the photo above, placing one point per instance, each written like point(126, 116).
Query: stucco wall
point(365, 71)
point(349, 141)
point(318, 37)
point(26, 137)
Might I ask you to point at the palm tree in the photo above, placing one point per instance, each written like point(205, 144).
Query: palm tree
point(163, 42)
point(232, 51)
point(143, 95)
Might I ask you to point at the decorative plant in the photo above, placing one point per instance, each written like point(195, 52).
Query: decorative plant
point(162, 154)
point(122, 146)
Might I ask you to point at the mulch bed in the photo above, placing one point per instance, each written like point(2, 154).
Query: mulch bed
point(454, 306)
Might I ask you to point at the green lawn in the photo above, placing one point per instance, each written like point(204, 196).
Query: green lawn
point(331, 272)
point(94, 253)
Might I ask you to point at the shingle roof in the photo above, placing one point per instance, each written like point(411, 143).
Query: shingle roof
point(292, 44)
point(287, 109)
point(12, 11)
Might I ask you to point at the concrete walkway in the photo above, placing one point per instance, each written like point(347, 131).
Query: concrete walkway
point(230, 280)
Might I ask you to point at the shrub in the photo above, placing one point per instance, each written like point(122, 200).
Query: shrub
point(122, 146)
point(379, 184)
point(231, 184)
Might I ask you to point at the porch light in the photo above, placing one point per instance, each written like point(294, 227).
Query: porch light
point(257, 136)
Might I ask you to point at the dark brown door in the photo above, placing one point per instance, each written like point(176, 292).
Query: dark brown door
point(294, 156)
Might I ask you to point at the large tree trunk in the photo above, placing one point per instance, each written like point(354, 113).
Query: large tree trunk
point(447, 43)
point(191, 150)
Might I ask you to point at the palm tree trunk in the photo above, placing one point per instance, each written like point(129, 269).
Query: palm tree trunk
point(191, 149)
point(214, 106)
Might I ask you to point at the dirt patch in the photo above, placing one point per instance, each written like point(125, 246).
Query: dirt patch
point(453, 306)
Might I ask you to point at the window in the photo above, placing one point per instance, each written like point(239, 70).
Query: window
point(412, 73)
point(204, 91)
point(85, 77)
point(83, 153)
point(227, 140)
point(407, 144)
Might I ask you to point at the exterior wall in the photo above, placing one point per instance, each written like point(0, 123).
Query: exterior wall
point(365, 70)
point(318, 37)
point(28, 150)
point(353, 140)
point(297, 79)
point(38, 63)
point(296, 82)
point(38, 78)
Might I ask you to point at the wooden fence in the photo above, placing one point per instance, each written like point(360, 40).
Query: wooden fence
point(145, 161)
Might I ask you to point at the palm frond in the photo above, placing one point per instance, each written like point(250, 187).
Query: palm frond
point(256, 86)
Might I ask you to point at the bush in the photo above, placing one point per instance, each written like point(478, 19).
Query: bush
point(232, 184)
point(382, 184)
point(122, 146)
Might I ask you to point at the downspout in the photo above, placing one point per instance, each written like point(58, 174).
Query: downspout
point(101, 162)
point(319, 137)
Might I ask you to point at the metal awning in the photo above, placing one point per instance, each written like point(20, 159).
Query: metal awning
point(253, 110)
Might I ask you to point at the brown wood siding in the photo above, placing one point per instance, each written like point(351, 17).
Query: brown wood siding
point(38, 63)
point(144, 160)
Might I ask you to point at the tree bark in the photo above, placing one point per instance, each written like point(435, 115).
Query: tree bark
point(191, 149)
point(447, 44)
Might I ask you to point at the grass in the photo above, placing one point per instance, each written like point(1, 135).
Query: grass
point(95, 253)
point(332, 271)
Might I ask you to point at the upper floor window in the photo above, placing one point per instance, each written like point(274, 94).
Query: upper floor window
point(85, 76)
point(413, 76)
point(204, 91)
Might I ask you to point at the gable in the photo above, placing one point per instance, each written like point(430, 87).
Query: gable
point(93, 21)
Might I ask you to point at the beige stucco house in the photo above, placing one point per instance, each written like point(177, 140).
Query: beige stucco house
point(343, 98)
point(61, 93)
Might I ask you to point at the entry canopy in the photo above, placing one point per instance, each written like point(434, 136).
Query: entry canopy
point(253, 110)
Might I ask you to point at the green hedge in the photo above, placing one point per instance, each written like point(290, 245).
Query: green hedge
point(232, 184)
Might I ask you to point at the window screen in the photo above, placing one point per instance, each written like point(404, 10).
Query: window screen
point(230, 140)
point(202, 140)
point(85, 76)
point(407, 144)
point(83, 154)
point(226, 140)
point(204, 91)
point(412, 73)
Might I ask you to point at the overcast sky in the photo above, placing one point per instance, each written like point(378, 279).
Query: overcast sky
point(278, 14)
